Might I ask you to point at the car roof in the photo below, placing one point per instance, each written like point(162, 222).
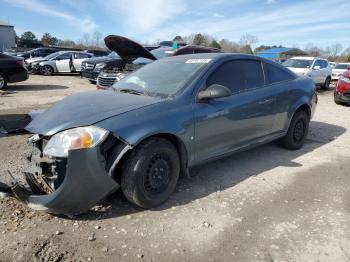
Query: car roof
point(215, 56)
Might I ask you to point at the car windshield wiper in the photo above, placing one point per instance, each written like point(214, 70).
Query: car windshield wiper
point(131, 91)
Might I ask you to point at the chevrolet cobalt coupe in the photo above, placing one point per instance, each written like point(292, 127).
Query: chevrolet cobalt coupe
point(155, 124)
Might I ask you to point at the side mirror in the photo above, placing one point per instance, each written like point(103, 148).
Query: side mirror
point(348, 67)
point(57, 59)
point(214, 91)
point(317, 68)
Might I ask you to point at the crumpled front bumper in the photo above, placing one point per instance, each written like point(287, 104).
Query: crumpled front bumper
point(86, 182)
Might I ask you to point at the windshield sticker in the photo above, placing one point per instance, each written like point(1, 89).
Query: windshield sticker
point(198, 61)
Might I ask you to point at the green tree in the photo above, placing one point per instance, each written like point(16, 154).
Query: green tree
point(199, 39)
point(28, 36)
point(47, 39)
point(215, 44)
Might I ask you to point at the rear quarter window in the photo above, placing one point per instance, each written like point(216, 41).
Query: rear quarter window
point(274, 74)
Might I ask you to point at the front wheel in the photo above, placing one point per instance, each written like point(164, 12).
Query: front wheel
point(150, 173)
point(326, 84)
point(46, 70)
point(297, 131)
point(3, 81)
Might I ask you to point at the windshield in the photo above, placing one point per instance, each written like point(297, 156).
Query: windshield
point(341, 66)
point(158, 53)
point(162, 77)
point(298, 63)
point(113, 55)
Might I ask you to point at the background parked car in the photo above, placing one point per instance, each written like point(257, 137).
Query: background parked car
point(342, 92)
point(37, 52)
point(91, 68)
point(316, 68)
point(12, 69)
point(339, 69)
point(120, 45)
point(98, 53)
point(60, 62)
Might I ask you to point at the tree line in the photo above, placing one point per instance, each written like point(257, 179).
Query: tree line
point(88, 41)
point(334, 52)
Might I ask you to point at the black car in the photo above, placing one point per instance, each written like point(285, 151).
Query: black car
point(92, 67)
point(12, 69)
point(98, 53)
point(37, 52)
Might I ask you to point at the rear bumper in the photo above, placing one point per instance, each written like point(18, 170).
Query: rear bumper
point(85, 183)
point(19, 76)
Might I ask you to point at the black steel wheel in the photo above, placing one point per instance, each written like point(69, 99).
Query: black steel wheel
point(150, 172)
point(297, 132)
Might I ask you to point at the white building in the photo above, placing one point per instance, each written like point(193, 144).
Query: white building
point(7, 36)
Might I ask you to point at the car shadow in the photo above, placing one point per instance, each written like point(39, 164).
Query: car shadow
point(39, 87)
point(223, 174)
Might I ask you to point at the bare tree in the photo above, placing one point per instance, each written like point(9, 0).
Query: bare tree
point(96, 39)
point(334, 50)
point(248, 39)
point(86, 39)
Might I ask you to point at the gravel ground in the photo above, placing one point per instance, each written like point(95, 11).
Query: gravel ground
point(266, 204)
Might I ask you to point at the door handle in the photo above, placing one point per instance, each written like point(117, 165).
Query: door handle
point(265, 101)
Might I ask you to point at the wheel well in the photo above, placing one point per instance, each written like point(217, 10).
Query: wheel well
point(6, 77)
point(181, 149)
point(305, 108)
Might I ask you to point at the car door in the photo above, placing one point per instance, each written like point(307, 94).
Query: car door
point(316, 74)
point(226, 124)
point(78, 59)
point(324, 71)
point(280, 83)
point(62, 63)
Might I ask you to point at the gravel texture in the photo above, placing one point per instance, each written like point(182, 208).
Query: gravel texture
point(266, 204)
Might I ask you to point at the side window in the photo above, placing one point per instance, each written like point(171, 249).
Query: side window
point(64, 56)
point(80, 56)
point(275, 74)
point(238, 75)
point(317, 63)
point(324, 64)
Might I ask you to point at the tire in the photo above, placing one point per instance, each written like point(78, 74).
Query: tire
point(297, 131)
point(3, 81)
point(139, 183)
point(46, 70)
point(326, 83)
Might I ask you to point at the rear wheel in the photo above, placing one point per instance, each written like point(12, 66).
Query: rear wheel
point(46, 70)
point(3, 81)
point(326, 84)
point(297, 131)
point(150, 173)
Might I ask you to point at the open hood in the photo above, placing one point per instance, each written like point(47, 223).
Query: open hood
point(127, 49)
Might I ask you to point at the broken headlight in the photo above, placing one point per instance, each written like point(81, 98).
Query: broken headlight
point(76, 138)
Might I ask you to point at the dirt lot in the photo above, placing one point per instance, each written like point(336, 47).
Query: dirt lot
point(267, 204)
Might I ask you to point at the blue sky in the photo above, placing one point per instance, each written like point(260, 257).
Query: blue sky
point(286, 22)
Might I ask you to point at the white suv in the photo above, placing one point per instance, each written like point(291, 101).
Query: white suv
point(318, 69)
